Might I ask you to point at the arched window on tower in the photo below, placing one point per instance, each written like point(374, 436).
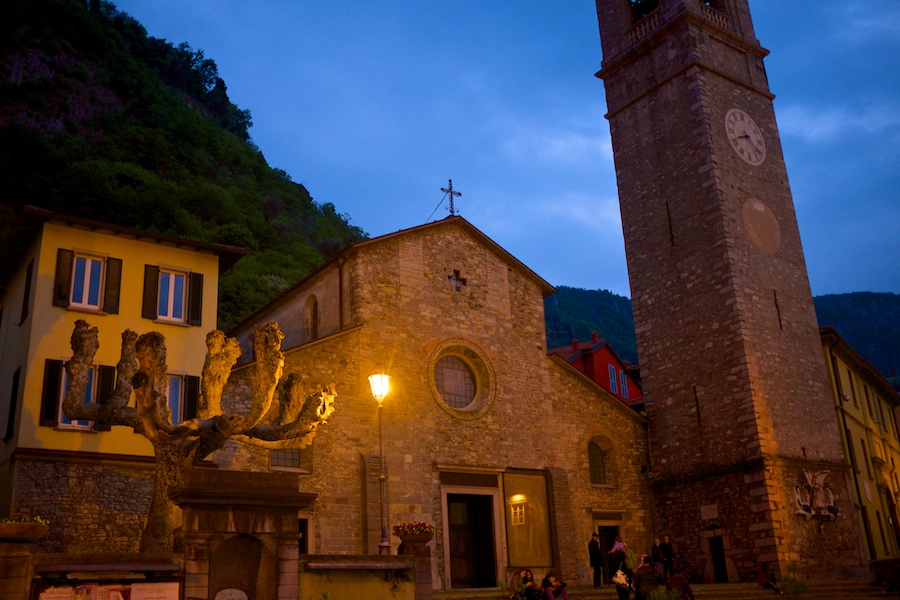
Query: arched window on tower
point(600, 461)
point(311, 318)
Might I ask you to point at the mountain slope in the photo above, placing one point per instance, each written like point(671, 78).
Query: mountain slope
point(870, 322)
point(100, 120)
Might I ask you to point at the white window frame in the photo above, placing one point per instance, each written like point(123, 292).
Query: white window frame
point(623, 381)
point(167, 304)
point(176, 405)
point(85, 281)
point(63, 422)
point(613, 381)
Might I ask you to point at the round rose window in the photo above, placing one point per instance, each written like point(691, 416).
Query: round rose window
point(461, 378)
point(454, 381)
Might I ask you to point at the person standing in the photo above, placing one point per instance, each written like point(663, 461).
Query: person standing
point(645, 579)
point(596, 559)
point(679, 582)
point(656, 555)
point(668, 555)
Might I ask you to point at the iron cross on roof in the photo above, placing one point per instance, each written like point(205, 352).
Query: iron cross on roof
point(449, 191)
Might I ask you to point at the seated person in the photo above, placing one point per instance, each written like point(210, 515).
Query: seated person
point(554, 589)
point(522, 585)
point(766, 579)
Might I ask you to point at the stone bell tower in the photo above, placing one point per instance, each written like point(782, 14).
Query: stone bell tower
point(745, 449)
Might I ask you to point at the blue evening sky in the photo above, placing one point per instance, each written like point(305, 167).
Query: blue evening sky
point(374, 105)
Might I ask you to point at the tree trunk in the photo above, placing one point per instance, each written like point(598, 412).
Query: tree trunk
point(172, 463)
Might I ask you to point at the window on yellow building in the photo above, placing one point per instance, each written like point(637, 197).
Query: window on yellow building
point(89, 392)
point(87, 282)
point(181, 397)
point(866, 459)
point(172, 296)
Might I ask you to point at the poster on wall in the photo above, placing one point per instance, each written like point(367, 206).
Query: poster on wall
point(117, 591)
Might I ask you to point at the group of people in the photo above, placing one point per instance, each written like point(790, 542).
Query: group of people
point(523, 587)
point(652, 570)
point(641, 575)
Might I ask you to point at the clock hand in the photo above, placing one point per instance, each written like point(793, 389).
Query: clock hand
point(749, 140)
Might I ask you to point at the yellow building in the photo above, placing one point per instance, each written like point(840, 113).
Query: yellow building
point(58, 269)
point(865, 406)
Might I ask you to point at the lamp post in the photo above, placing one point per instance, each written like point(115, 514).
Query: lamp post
point(380, 384)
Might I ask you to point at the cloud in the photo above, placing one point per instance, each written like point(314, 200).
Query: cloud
point(568, 146)
point(581, 210)
point(813, 124)
point(868, 21)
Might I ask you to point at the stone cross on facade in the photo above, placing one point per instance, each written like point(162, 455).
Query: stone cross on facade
point(456, 281)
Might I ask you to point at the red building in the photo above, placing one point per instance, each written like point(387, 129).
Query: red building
point(602, 365)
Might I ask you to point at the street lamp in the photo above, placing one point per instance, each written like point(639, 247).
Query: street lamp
point(380, 384)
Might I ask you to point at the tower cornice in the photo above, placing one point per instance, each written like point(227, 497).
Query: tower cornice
point(612, 111)
point(654, 35)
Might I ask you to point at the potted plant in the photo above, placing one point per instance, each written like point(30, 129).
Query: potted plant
point(792, 587)
point(416, 532)
point(21, 531)
point(664, 594)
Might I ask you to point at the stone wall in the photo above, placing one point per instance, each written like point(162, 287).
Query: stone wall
point(92, 507)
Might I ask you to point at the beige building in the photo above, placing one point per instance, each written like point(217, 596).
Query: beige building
point(514, 456)
point(865, 405)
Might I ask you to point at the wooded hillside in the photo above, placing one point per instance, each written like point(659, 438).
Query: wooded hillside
point(870, 322)
point(100, 120)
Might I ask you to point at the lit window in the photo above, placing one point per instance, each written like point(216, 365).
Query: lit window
point(612, 380)
point(65, 421)
point(454, 381)
point(518, 514)
point(624, 379)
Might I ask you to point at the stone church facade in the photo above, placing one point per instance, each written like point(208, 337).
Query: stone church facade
point(485, 435)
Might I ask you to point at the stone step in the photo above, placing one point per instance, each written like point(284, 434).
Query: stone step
point(816, 590)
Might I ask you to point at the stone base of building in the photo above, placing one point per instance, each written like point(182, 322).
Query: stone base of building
point(724, 524)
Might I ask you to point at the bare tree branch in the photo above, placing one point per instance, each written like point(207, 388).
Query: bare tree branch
point(142, 370)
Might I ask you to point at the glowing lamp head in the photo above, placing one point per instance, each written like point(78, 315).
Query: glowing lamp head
point(380, 384)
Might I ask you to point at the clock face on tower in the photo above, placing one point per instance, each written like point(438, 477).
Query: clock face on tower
point(745, 137)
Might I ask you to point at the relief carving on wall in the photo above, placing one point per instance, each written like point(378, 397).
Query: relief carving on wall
point(815, 498)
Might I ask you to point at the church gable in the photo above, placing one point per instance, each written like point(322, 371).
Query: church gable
point(449, 276)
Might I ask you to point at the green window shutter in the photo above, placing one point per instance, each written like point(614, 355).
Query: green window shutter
point(191, 397)
point(62, 283)
point(106, 384)
point(113, 285)
point(195, 299)
point(53, 370)
point(151, 288)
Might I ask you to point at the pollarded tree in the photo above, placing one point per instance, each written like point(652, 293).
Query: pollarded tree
point(142, 370)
